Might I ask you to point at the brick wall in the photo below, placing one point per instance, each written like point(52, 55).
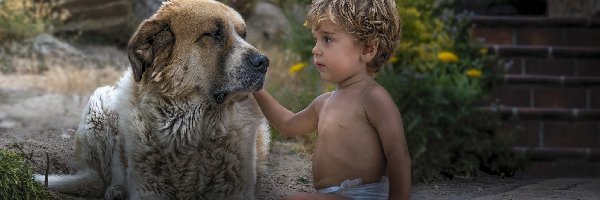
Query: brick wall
point(549, 70)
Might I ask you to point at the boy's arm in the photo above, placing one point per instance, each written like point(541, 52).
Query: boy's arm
point(286, 122)
point(385, 117)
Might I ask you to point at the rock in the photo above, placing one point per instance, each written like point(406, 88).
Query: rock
point(47, 45)
point(113, 21)
point(110, 21)
point(267, 23)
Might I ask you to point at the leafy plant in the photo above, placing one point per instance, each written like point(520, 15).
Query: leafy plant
point(20, 19)
point(438, 79)
point(16, 180)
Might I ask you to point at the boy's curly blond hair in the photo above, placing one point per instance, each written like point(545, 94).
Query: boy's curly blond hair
point(368, 21)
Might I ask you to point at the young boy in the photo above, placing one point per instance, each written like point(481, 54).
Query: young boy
point(360, 135)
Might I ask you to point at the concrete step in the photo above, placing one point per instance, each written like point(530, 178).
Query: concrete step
point(571, 81)
point(548, 98)
point(549, 139)
point(545, 113)
point(537, 31)
point(545, 51)
point(564, 167)
point(533, 21)
point(554, 153)
point(549, 66)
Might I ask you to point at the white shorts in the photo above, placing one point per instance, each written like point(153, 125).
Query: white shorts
point(354, 189)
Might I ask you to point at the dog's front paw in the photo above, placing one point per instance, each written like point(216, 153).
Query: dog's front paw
point(41, 179)
point(115, 192)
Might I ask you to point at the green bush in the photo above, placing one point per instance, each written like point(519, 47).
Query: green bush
point(21, 19)
point(16, 179)
point(438, 77)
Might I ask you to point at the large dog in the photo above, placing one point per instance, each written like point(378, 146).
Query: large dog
point(182, 123)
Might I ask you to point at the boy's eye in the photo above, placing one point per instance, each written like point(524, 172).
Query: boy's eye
point(327, 39)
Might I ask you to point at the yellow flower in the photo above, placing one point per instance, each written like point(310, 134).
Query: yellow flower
point(446, 56)
point(305, 24)
point(296, 68)
point(393, 59)
point(483, 51)
point(473, 73)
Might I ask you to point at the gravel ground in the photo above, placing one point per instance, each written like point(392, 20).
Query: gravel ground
point(38, 123)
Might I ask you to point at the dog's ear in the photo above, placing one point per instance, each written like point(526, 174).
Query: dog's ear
point(150, 46)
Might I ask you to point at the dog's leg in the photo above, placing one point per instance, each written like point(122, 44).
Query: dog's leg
point(82, 183)
point(263, 138)
point(115, 192)
point(94, 145)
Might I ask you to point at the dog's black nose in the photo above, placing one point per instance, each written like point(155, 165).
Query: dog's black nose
point(260, 61)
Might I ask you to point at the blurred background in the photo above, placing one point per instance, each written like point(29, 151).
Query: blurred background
point(484, 86)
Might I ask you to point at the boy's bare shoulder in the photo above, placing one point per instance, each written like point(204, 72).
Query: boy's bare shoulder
point(321, 98)
point(376, 93)
point(319, 101)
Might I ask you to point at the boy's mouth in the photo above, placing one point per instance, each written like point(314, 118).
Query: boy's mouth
point(319, 65)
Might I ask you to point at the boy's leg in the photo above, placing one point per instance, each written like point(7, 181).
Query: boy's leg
point(314, 196)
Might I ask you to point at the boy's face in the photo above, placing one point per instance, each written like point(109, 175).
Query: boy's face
point(335, 54)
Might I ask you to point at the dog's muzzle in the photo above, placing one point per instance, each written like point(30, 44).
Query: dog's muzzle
point(258, 63)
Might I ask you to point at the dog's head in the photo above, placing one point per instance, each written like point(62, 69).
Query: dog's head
point(196, 47)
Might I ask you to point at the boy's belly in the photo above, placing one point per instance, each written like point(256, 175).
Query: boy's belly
point(331, 167)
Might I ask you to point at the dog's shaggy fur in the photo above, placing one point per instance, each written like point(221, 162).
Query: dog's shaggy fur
point(182, 123)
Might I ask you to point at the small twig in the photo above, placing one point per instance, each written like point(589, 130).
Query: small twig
point(47, 170)
point(27, 156)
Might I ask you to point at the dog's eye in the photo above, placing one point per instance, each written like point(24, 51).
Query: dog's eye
point(243, 34)
point(217, 34)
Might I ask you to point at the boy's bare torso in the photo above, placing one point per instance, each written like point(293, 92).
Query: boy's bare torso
point(348, 147)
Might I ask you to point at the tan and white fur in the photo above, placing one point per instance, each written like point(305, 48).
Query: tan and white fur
point(182, 122)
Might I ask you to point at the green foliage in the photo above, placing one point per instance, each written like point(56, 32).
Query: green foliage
point(16, 179)
point(20, 19)
point(438, 78)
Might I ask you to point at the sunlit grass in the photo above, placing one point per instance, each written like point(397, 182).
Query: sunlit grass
point(68, 80)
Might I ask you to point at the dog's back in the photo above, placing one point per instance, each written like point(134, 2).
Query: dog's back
point(96, 140)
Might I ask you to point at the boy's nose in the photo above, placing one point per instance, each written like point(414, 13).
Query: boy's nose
point(316, 51)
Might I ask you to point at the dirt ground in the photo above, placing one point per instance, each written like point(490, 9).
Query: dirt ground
point(37, 123)
point(37, 119)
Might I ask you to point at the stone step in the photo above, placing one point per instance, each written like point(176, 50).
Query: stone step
point(550, 97)
point(552, 153)
point(555, 138)
point(536, 31)
point(536, 51)
point(571, 81)
point(572, 67)
point(544, 113)
point(525, 21)
point(564, 167)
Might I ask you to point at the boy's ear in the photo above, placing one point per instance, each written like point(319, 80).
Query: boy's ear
point(369, 50)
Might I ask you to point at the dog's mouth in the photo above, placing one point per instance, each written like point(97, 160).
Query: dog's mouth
point(250, 83)
point(249, 77)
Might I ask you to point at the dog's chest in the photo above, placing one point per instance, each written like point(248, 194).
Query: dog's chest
point(212, 169)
